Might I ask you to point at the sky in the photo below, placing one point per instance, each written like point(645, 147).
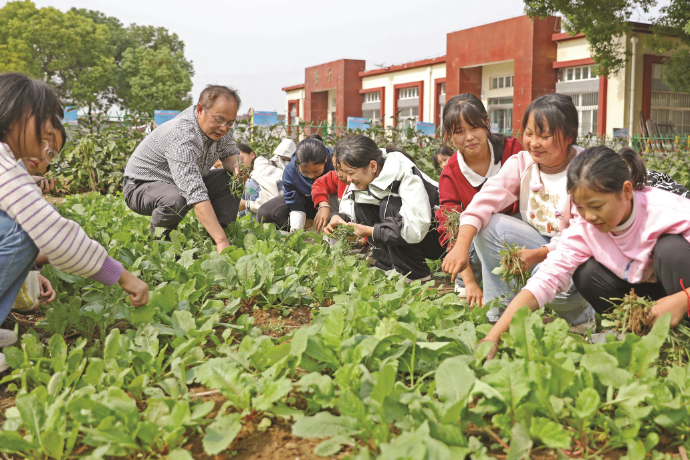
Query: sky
point(261, 46)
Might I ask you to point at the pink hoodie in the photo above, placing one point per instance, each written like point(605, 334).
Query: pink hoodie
point(628, 255)
point(514, 182)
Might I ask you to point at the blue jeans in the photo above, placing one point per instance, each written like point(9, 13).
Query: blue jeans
point(252, 189)
point(17, 256)
point(476, 266)
point(569, 304)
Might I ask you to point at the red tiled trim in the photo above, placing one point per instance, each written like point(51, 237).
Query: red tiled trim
point(573, 63)
point(565, 36)
point(290, 88)
point(407, 65)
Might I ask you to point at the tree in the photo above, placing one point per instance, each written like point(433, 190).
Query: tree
point(154, 79)
point(69, 51)
point(605, 22)
point(93, 60)
point(138, 49)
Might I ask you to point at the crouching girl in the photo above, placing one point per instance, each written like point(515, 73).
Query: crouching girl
point(392, 203)
point(628, 236)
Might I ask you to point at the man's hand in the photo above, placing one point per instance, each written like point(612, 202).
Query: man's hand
point(333, 223)
point(474, 294)
point(321, 219)
point(222, 245)
point(243, 205)
point(138, 290)
point(47, 291)
point(207, 216)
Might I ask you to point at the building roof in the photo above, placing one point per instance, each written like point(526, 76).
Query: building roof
point(291, 88)
point(407, 65)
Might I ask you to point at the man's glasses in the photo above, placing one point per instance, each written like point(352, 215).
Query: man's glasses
point(218, 123)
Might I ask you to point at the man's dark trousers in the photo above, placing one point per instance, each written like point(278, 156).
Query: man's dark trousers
point(167, 208)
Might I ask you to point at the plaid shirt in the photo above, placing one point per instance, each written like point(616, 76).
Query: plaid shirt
point(179, 153)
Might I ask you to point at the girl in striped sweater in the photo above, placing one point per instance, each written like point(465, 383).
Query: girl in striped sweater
point(29, 109)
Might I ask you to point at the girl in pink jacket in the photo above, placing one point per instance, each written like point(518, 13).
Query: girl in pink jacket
point(535, 178)
point(627, 236)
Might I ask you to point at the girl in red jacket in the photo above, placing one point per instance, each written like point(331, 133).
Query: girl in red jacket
point(326, 193)
point(480, 155)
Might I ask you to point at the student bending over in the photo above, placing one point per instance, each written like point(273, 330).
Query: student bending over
point(628, 236)
point(390, 202)
point(311, 161)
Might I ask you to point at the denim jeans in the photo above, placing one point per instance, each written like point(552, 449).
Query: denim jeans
point(252, 189)
point(569, 304)
point(17, 256)
point(476, 266)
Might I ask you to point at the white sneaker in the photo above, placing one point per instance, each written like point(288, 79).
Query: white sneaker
point(424, 279)
point(3, 363)
point(7, 338)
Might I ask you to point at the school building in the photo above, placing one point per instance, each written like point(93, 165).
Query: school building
point(507, 64)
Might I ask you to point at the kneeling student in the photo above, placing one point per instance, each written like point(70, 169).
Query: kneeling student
point(628, 236)
point(390, 202)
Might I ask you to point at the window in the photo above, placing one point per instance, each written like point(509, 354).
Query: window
point(408, 117)
point(501, 114)
point(502, 82)
point(443, 89)
point(373, 115)
point(372, 97)
point(409, 93)
point(577, 73)
point(669, 107)
point(587, 105)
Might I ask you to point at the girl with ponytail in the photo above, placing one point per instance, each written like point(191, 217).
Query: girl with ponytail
point(627, 236)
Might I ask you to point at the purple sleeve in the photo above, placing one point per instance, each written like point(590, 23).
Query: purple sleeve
point(110, 272)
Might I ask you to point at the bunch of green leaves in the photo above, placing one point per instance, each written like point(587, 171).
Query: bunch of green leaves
point(511, 268)
point(452, 223)
point(345, 234)
point(629, 314)
point(237, 181)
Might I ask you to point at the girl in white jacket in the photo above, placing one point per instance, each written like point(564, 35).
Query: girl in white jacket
point(390, 202)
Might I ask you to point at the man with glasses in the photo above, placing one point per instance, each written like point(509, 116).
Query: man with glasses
point(170, 173)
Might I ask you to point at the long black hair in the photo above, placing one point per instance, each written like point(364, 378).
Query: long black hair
point(559, 112)
point(442, 150)
point(21, 98)
point(311, 150)
point(359, 151)
point(603, 170)
point(470, 108)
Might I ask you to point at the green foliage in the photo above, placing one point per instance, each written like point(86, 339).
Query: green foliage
point(388, 369)
point(92, 60)
point(152, 79)
point(607, 23)
point(96, 157)
point(511, 267)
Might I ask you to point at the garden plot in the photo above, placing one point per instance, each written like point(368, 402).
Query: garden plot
point(282, 348)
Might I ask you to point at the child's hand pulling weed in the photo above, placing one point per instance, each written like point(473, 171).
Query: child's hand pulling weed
point(512, 269)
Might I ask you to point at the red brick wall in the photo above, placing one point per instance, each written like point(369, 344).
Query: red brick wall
point(528, 43)
point(343, 76)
